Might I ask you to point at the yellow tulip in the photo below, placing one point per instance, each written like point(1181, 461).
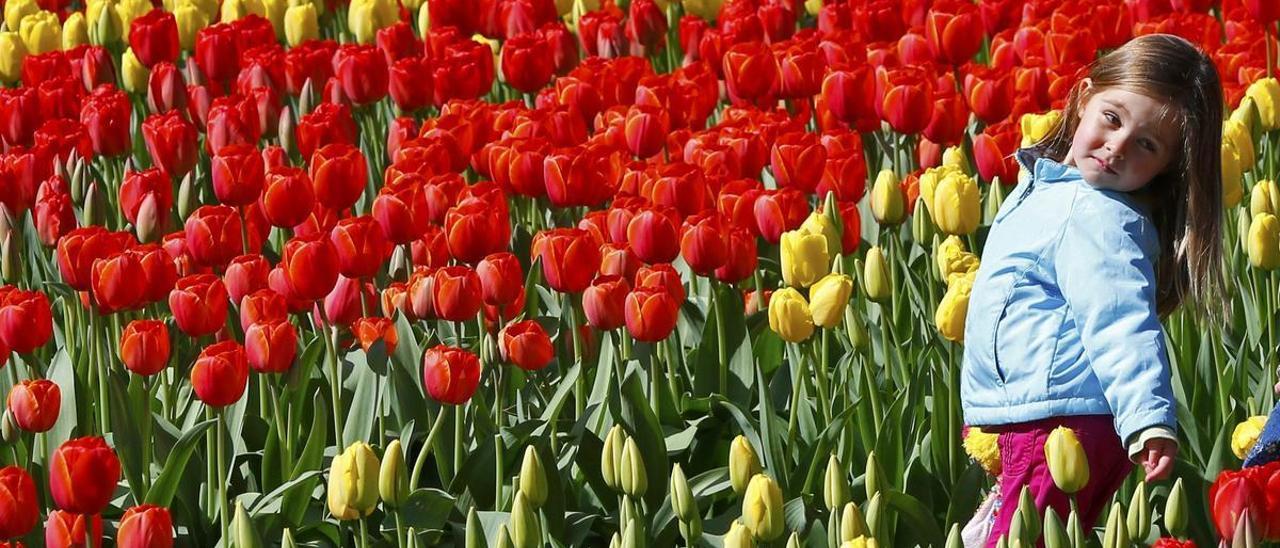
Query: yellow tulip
point(105, 26)
point(301, 23)
point(1246, 113)
point(762, 509)
point(706, 9)
point(738, 536)
point(1246, 435)
point(41, 32)
point(424, 21)
point(683, 504)
point(804, 257)
point(128, 10)
point(743, 464)
point(524, 529)
point(1036, 126)
point(828, 299)
point(888, 204)
point(789, 315)
point(858, 542)
point(1263, 197)
point(16, 10)
point(954, 157)
point(876, 276)
point(957, 207)
point(953, 259)
point(1240, 136)
point(929, 183)
point(75, 31)
point(984, 449)
point(1264, 241)
point(393, 479)
point(234, 10)
point(366, 17)
point(819, 223)
point(190, 19)
point(954, 307)
point(1068, 464)
point(12, 51)
point(813, 7)
point(852, 524)
point(275, 10)
point(1232, 188)
point(1265, 93)
point(494, 46)
point(133, 73)
point(353, 482)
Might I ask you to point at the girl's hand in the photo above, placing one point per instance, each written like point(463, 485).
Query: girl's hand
point(1157, 458)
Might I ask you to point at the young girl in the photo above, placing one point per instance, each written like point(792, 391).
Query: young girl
point(1118, 223)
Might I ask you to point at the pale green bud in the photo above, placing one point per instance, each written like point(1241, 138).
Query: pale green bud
point(1139, 517)
point(533, 478)
point(835, 485)
point(1176, 511)
point(1117, 533)
point(632, 474)
point(393, 479)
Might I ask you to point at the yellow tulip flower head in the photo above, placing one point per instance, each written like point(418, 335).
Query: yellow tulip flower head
point(12, 51)
point(133, 73)
point(957, 207)
point(819, 223)
point(1264, 241)
point(953, 259)
point(1036, 126)
point(1067, 461)
point(275, 10)
point(743, 464)
point(533, 478)
point(16, 10)
point(1246, 435)
point(353, 482)
point(888, 204)
point(128, 10)
point(954, 307)
point(190, 19)
point(954, 157)
point(875, 276)
point(762, 509)
point(804, 257)
point(706, 9)
point(41, 32)
point(738, 536)
point(105, 26)
point(635, 481)
point(828, 299)
point(789, 315)
point(1232, 187)
point(366, 17)
point(301, 23)
point(1263, 198)
point(75, 31)
point(1238, 133)
point(611, 456)
point(393, 478)
point(233, 10)
point(1265, 93)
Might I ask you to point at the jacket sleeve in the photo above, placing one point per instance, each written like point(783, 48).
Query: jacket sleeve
point(1107, 278)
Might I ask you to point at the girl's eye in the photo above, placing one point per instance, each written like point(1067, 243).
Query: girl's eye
point(1111, 117)
point(1150, 146)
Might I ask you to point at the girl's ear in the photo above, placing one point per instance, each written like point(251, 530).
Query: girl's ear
point(1085, 91)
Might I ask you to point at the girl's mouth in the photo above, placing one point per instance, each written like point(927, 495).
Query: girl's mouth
point(1104, 165)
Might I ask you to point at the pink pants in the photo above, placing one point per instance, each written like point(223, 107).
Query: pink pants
point(1023, 464)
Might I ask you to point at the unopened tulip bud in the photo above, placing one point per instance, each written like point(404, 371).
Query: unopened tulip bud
point(393, 481)
point(682, 501)
point(1030, 517)
point(1003, 542)
point(1243, 221)
point(875, 515)
point(1075, 532)
point(743, 464)
point(789, 315)
point(616, 540)
point(856, 330)
point(633, 534)
point(524, 529)
point(1175, 511)
point(954, 539)
point(762, 510)
point(1246, 532)
point(886, 199)
point(738, 536)
point(75, 31)
point(242, 529)
point(308, 97)
point(874, 476)
point(922, 229)
point(95, 205)
point(835, 485)
point(353, 482)
point(504, 537)
point(876, 276)
point(533, 478)
point(286, 130)
point(1055, 534)
point(1067, 461)
point(286, 539)
point(691, 530)
point(9, 430)
point(794, 540)
point(7, 222)
point(150, 225)
point(852, 524)
point(820, 223)
point(632, 474)
point(611, 456)
point(1139, 517)
point(995, 199)
point(11, 259)
point(627, 510)
point(475, 531)
point(188, 196)
point(828, 299)
point(1117, 533)
point(398, 267)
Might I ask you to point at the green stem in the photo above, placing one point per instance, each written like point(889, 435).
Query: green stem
point(792, 422)
point(335, 387)
point(718, 310)
point(426, 448)
point(223, 517)
point(824, 390)
point(364, 534)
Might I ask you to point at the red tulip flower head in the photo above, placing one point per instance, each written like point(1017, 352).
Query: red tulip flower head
point(19, 508)
point(26, 321)
point(271, 347)
point(287, 196)
point(220, 374)
point(145, 526)
point(450, 375)
point(604, 302)
point(570, 258)
point(154, 38)
point(213, 235)
point(501, 278)
point(144, 347)
point(458, 293)
point(651, 313)
point(199, 304)
point(66, 529)
point(526, 344)
point(35, 404)
point(83, 474)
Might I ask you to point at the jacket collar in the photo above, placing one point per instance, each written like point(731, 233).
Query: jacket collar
point(1044, 169)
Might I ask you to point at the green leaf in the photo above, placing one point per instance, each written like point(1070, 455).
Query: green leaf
point(294, 505)
point(166, 484)
point(427, 509)
point(643, 426)
point(126, 405)
point(918, 516)
point(364, 404)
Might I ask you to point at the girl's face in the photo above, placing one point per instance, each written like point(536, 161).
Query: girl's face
point(1122, 141)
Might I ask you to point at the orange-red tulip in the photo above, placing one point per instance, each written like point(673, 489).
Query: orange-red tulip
point(19, 507)
point(526, 344)
point(797, 159)
point(78, 249)
point(220, 374)
point(145, 526)
point(662, 276)
point(287, 197)
point(501, 278)
point(35, 404)
point(457, 293)
point(26, 321)
point(338, 175)
point(144, 347)
point(703, 242)
point(213, 235)
point(271, 347)
point(370, 330)
point(199, 304)
point(361, 248)
point(238, 172)
point(604, 302)
point(570, 258)
point(245, 274)
point(83, 474)
point(310, 267)
point(119, 282)
point(450, 375)
point(64, 529)
point(954, 29)
point(651, 313)
point(137, 185)
point(654, 235)
point(904, 98)
point(740, 246)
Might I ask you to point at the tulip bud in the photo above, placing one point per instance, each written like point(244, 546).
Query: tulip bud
point(1139, 517)
point(631, 472)
point(286, 539)
point(1055, 534)
point(75, 31)
point(852, 525)
point(1246, 532)
point(682, 501)
point(11, 259)
point(886, 199)
point(835, 485)
point(288, 127)
point(353, 482)
point(504, 537)
point(616, 540)
point(150, 225)
point(9, 430)
point(611, 456)
point(691, 530)
point(308, 98)
point(301, 23)
point(1116, 534)
point(524, 529)
point(393, 482)
point(876, 276)
point(1243, 222)
point(922, 229)
point(874, 476)
point(1029, 517)
point(856, 330)
point(475, 532)
point(953, 309)
point(533, 478)
point(1003, 542)
point(1175, 511)
point(743, 464)
point(188, 199)
point(875, 515)
point(242, 529)
point(1067, 461)
point(95, 206)
point(633, 534)
point(762, 510)
point(995, 199)
point(1075, 533)
point(738, 536)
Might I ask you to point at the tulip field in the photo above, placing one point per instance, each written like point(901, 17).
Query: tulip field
point(527, 273)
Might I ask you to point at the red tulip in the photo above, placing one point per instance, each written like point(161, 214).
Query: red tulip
point(798, 159)
point(362, 70)
point(1262, 11)
point(137, 185)
point(106, 116)
point(119, 283)
point(154, 38)
point(171, 143)
point(954, 29)
point(904, 98)
point(989, 93)
point(570, 258)
point(167, 89)
point(64, 529)
point(741, 255)
point(145, 526)
point(213, 235)
point(310, 266)
point(245, 274)
point(263, 306)
point(779, 211)
point(950, 117)
point(458, 293)
point(35, 404)
point(361, 248)
point(465, 71)
point(287, 198)
point(651, 313)
point(144, 347)
point(401, 209)
point(526, 344)
point(271, 347)
point(1232, 494)
point(217, 51)
point(82, 475)
point(19, 508)
point(159, 272)
point(19, 114)
point(501, 278)
point(475, 228)
point(348, 300)
point(54, 216)
point(410, 83)
point(26, 321)
point(338, 175)
point(645, 129)
point(450, 375)
point(663, 276)
point(62, 136)
point(618, 260)
point(750, 72)
point(654, 235)
point(78, 249)
point(993, 152)
point(851, 219)
point(199, 304)
point(220, 374)
point(329, 123)
point(604, 301)
point(231, 119)
point(703, 242)
point(525, 63)
point(237, 171)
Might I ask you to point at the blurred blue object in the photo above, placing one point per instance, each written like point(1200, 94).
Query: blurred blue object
point(1268, 447)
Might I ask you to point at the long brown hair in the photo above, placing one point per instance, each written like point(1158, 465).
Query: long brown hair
point(1185, 200)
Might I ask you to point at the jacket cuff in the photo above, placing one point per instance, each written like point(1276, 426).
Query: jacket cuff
point(1138, 441)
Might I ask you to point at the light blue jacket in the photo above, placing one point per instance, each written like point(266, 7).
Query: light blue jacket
point(1062, 319)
